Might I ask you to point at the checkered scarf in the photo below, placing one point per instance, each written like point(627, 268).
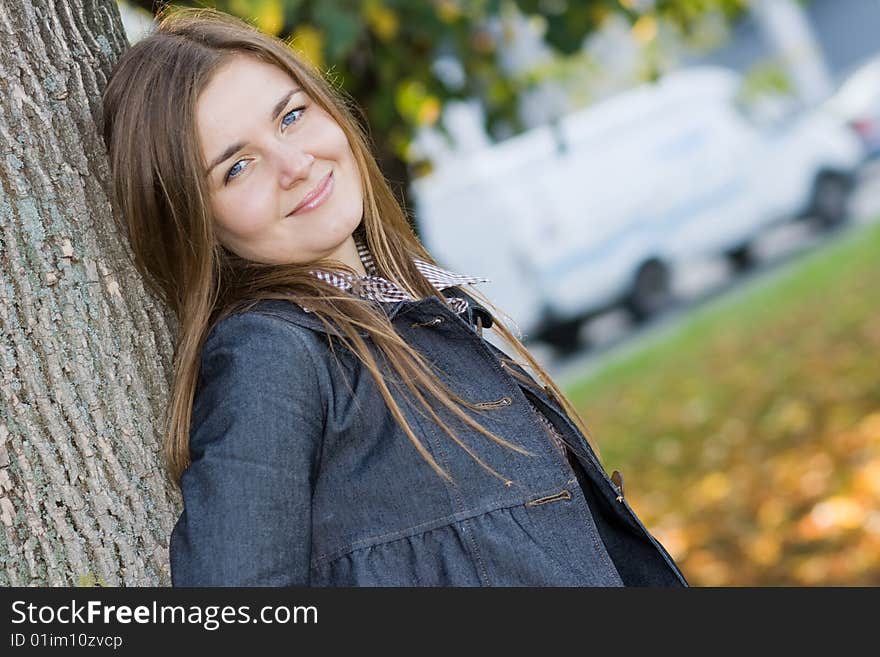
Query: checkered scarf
point(376, 288)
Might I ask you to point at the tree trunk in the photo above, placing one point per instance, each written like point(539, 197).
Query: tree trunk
point(85, 351)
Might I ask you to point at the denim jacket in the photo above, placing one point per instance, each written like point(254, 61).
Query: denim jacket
point(300, 475)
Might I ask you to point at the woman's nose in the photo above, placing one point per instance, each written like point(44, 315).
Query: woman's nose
point(294, 165)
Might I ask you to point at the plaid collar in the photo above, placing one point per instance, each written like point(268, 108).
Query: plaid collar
point(376, 288)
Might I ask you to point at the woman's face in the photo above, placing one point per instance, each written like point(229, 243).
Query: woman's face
point(284, 185)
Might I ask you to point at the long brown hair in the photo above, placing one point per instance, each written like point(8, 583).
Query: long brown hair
point(163, 209)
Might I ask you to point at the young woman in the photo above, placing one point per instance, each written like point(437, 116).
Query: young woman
point(336, 416)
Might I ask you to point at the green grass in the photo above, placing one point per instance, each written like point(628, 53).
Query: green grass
point(810, 276)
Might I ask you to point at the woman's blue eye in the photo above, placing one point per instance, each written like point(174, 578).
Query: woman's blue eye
point(236, 169)
point(290, 118)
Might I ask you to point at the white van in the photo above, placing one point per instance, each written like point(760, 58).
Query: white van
point(595, 212)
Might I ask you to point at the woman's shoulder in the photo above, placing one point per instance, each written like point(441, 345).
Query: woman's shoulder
point(275, 319)
point(265, 336)
point(287, 313)
point(254, 355)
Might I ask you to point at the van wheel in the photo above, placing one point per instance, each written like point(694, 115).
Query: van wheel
point(742, 258)
point(651, 291)
point(831, 200)
point(564, 337)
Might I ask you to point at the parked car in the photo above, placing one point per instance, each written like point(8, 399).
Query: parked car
point(595, 212)
point(857, 102)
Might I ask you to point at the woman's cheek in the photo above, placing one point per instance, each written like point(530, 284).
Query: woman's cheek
point(332, 140)
point(250, 214)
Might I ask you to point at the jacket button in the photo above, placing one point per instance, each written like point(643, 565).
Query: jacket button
point(617, 478)
point(481, 314)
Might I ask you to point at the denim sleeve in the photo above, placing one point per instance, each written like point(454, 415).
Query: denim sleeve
point(257, 423)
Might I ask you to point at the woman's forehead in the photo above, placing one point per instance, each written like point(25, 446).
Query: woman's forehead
point(240, 73)
point(243, 94)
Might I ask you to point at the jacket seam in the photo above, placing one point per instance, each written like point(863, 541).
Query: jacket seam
point(315, 329)
point(303, 344)
point(479, 566)
point(430, 525)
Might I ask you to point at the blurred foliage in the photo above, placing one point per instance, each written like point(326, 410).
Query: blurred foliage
point(383, 52)
point(768, 77)
point(750, 441)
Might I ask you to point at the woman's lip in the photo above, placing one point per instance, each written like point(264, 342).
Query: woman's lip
point(317, 196)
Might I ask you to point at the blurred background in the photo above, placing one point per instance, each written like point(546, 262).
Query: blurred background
point(677, 204)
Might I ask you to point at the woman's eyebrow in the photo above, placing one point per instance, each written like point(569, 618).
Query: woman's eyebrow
point(279, 106)
point(237, 146)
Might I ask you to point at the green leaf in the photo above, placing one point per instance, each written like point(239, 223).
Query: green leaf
point(340, 26)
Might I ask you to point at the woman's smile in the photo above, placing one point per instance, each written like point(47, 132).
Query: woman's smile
point(316, 197)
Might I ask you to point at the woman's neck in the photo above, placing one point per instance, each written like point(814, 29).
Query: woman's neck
point(347, 253)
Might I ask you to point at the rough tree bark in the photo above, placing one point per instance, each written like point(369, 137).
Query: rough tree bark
point(85, 351)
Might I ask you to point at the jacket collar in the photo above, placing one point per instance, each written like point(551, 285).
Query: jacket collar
point(377, 288)
point(292, 312)
point(392, 298)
